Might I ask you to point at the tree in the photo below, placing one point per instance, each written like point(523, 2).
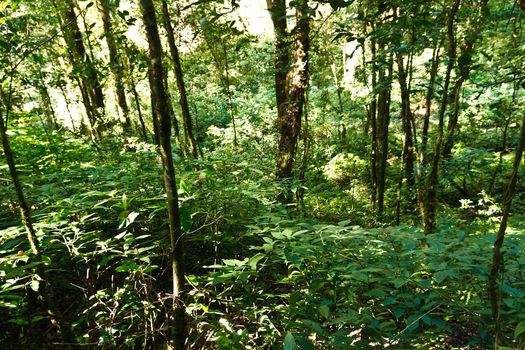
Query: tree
point(185, 110)
point(432, 181)
point(290, 93)
point(160, 105)
point(115, 63)
point(84, 70)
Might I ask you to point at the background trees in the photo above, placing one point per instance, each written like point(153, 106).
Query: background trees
point(341, 174)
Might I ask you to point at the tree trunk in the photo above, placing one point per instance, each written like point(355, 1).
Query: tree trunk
point(423, 156)
point(297, 80)
point(383, 122)
point(406, 117)
point(89, 83)
point(497, 257)
point(139, 110)
point(115, 63)
point(430, 200)
point(464, 72)
point(372, 116)
point(170, 186)
point(185, 110)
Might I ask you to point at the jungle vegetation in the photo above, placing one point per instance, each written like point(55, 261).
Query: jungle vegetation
point(248, 174)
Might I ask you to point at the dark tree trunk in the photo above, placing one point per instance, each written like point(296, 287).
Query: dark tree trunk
point(383, 122)
point(180, 147)
point(430, 200)
point(161, 108)
point(297, 81)
point(423, 156)
point(115, 63)
point(497, 257)
point(406, 117)
point(185, 110)
point(139, 110)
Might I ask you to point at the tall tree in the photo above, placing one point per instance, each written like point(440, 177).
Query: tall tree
point(382, 125)
point(160, 105)
point(497, 256)
point(464, 66)
point(115, 63)
point(290, 93)
point(432, 180)
point(179, 77)
point(84, 70)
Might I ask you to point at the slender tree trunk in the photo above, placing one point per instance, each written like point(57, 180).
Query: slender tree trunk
point(306, 150)
point(45, 288)
point(114, 63)
point(139, 111)
point(344, 142)
point(428, 103)
point(383, 122)
point(160, 106)
point(453, 118)
point(185, 110)
point(372, 112)
point(183, 148)
point(406, 117)
point(497, 256)
point(432, 183)
point(297, 81)
point(229, 94)
point(423, 156)
point(463, 74)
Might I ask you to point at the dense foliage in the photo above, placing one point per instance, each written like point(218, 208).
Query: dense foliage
point(342, 254)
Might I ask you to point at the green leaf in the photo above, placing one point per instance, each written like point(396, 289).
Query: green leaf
point(520, 329)
point(185, 218)
point(324, 311)
point(440, 276)
point(289, 342)
point(254, 260)
point(360, 276)
point(131, 218)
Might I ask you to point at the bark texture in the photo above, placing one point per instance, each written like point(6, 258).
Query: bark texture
point(296, 84)
point(160, 105)
point(179, 76)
